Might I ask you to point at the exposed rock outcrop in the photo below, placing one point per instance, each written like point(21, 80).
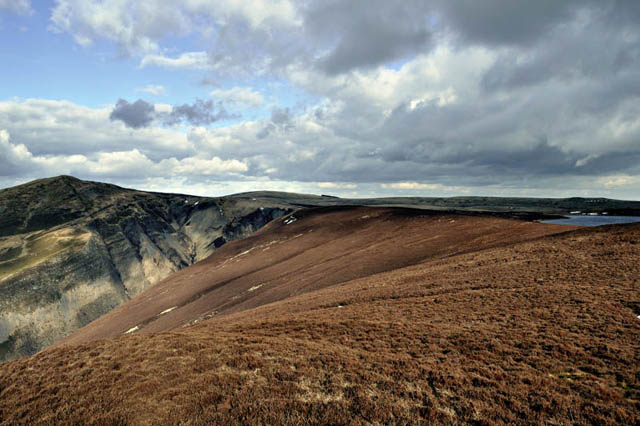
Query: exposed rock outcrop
point(71, 251)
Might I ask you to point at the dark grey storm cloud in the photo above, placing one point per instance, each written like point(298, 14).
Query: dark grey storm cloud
point(366, 35)
point(135, 115)
point(508, 22)
point(141, 113)
point(598, 50)
point(340, 36)
point(358, 34)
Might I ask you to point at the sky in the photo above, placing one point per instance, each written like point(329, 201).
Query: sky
point(354, 98)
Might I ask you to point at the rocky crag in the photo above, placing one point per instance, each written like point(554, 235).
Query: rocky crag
point(71, 250)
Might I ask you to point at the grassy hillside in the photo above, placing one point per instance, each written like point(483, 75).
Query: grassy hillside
point(38, 248)
point(306, 251)
point(539, 330)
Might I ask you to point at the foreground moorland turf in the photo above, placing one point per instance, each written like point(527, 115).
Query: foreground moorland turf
point(543, 329)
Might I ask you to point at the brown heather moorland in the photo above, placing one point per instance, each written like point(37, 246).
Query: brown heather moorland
point(362, 316)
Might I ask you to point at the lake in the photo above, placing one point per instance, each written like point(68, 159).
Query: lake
point(581, 220)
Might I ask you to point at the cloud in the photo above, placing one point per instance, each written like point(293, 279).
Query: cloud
point(255, 35)
point(19, 7)
point(135, 115)
point(363, 37)
point(334, 37)
point(223, 139)
point(52, 128)
point(616, 181)
point(200, 113)
point(137, 28)
point(415, 186)
point(336, 185)
point(281, 120)
point(13, 157)
point(188, 60)
point(507, 95)
point(141, 113)
point(504, 22)
point(152, 89)
point(16, 160)
point(212, 166)
point(127, 164)
point(412, 185)
point(245, 96)
point(281, 116)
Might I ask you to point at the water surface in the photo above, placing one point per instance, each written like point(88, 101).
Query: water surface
point(582, 220)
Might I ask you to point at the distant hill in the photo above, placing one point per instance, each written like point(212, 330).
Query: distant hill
point(509, 206)
point(359, 315)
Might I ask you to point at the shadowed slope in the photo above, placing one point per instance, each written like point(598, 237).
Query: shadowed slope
point(72, 250)
point(305, 251)
point(543, 331)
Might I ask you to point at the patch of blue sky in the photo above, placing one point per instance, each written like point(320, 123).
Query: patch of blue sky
point(42, 64)
point(398, 64)
point(46, 65)
point(38, 63)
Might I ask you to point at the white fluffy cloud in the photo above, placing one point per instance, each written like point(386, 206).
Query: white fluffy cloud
point(12, 157)
point(17, 160)
point(207, 167)
point(49, 127)
point(138, 27)
point(135, 27)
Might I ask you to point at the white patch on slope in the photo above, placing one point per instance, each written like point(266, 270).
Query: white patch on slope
point(166, 311)
point(255, 287)
point(131, 330)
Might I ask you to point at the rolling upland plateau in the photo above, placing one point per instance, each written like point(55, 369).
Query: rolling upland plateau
point(356, 315)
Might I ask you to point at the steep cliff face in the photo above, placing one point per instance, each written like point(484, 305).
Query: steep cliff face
point(71, 251)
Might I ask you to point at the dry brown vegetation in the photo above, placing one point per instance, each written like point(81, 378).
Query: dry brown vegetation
point(304, 252)
point(542, 331)
point(36, 248)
